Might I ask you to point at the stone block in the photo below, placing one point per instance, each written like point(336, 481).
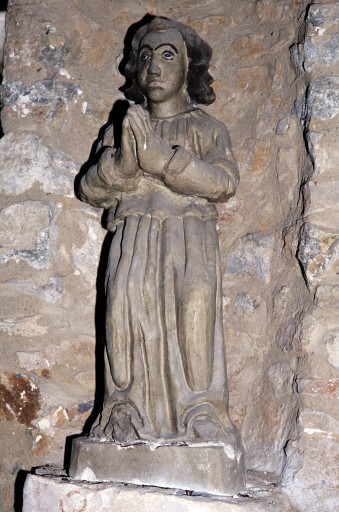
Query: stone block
point(86, 257)
point(321, 43)
point(324, 150)
point(323, 98)
point(270, 421)
point(19, 398)
point(288, 171)
point(48, 290)
point(205, 467)
point(55, 493)
point(248, 47)
point(319, 255)
point(316, 484)
point(252, 80)
point(268, 10)
point(19, 243)
point(26, 160)
point(321, 388)
point(251, 255)
point(322, 210)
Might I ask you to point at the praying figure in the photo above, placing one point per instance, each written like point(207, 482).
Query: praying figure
point(165, 364)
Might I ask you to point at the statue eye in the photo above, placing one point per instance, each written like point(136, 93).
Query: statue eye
point(168, 55)
point(144, 57)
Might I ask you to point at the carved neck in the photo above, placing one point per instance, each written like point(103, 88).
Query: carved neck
point(171, 107)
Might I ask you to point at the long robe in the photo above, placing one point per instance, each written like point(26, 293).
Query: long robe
point(165, 361)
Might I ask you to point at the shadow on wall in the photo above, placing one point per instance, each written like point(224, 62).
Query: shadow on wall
point(3, 8)
point(19, 487)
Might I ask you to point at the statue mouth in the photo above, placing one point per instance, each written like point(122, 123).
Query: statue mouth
point(154, 82)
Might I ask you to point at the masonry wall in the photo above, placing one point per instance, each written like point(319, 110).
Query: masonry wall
point(277, 235)
point(317, 58)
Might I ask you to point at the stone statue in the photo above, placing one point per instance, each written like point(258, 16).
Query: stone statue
point(165, 379)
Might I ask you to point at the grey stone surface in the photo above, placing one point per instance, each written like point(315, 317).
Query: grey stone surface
point(205, 467)
point(50, 291)
point(19, 243)
point(319, 254)
point(2, 37)
point(321, 48)
point(323, 98)
point(43, 93)
point(327, 54)
point(54, 493)
point(245, 303)
point(27, 160)
point(251, 255)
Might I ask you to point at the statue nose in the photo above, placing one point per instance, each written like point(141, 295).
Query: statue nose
point(154, 68)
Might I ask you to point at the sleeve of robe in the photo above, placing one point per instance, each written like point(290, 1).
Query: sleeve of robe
point(104, 182)
point(214, 177)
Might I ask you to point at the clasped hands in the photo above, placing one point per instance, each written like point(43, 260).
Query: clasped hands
point(141, 147)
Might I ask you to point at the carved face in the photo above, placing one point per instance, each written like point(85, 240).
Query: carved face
point(162, 65)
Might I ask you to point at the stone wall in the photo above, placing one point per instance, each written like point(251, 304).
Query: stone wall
point(316, 484)
point(278, 249)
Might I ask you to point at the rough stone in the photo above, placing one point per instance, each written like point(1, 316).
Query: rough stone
point(23, 327)
point(279, 381)
point(47, 93)
point(287, 171)
point(245, 303)
point(254, 79)
point(19, 398)
point(323, 210)
point(51, 291)
point(204, 467)
point(19, 243)
point(2, 37)
point(324, 151)
point(321, 388)
point(251, 255)
point(321, 44)
point(323, 98)
point(318, 488)
point(319, 254)
point(332, 349)
point(86, 257)
point(268, 10)
point(26, 160)
point(48, 493)
point(318, 435)
point(326, 53)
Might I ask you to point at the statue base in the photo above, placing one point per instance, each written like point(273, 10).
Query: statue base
point(204, 467)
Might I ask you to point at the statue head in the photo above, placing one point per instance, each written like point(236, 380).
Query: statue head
point(198, 80)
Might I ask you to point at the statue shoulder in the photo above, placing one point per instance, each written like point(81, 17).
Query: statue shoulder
point(210, 125)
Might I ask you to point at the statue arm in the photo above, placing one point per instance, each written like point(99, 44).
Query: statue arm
point(215, 177)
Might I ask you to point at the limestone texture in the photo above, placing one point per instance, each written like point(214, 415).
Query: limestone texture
point(212, 468)
point(49, 493)
point(318, 256)
point(275, 65)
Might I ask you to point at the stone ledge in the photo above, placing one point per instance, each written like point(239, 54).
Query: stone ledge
point(50, 493)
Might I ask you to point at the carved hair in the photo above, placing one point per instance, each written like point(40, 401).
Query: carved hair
point(199, 54)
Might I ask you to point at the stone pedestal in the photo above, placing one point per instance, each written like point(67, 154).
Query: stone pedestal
point(206, 467)
point(55, 493)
